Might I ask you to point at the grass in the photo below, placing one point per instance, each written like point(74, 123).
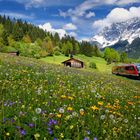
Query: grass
point(100, 62)
point(44, 101)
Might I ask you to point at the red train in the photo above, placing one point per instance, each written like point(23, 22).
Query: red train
point(128, 70)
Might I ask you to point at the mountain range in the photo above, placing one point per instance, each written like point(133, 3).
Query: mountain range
point(122, 36)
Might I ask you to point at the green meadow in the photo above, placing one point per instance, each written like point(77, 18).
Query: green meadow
point(100, 62)
point(44, 101)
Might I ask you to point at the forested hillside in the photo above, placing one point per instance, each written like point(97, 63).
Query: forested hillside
point(31, 41)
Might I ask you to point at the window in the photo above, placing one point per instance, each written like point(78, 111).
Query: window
point(129, 68)
point(138, 68)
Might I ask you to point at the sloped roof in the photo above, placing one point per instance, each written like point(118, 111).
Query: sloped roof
point(72, 59)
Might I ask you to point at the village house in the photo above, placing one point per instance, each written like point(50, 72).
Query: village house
point(15, 53)
point(72, 62)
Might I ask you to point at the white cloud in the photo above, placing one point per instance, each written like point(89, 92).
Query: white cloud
point(69, 26)
point(84, 39)
point(73, 34)
point(90, 14)
point(48, 27)
point(117, 15)
point(124, 2)
point(80, 10)
point(35, 3)
point(62, 32)
point(88, 4)
point(45, 3)
point(83, 8)
point(17, 15)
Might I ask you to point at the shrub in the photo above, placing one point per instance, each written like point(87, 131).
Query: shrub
point(9, 49)
point(92, 65)
point(57, 53)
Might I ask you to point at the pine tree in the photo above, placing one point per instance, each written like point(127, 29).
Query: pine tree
point(17, 32)
point(123, 57)
point(27, 39)
point(11, 41)
point(50, 48)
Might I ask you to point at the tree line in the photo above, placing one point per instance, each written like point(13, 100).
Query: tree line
point(31, 41)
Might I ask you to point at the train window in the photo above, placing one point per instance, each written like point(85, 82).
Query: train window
point(138, 68)
point(129, 68)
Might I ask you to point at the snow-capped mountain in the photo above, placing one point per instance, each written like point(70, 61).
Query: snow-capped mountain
point(117, 32)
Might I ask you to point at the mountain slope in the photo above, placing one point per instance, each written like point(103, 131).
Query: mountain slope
point(124, 36)
point(132, 50)
point(116, 32)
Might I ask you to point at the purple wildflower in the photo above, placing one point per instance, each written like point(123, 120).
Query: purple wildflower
point(4, 120)
point(10, 104)
point(5, 104)
point(31, 125)
point(86, 138)
point(52, 122)
point(22, 132)
point(95, 138)
point(50, 132)
point(18, 127)
point(49, 128)
point(13, 120)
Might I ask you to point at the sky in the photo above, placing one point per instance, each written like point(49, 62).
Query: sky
point(79, 18)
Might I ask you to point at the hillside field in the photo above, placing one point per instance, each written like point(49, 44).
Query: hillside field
point(43, 101)
point(100, 62)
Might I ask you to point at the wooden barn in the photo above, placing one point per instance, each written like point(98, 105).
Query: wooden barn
point(72, 62)
point(15, 53)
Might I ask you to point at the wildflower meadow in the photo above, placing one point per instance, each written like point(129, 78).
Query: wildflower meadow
point(40, 101)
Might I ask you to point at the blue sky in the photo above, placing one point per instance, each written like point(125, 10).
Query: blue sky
point(79, 18)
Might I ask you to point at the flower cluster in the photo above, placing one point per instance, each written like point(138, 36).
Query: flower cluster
point(44, 101)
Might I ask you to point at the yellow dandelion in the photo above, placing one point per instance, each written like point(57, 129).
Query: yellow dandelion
point(7, 134)
point(63, 96)
point(62, 135)
point(71, 98)
point(69, 108)
point(130, 103)
point(136, 97)
point(23, 106)
point(68, 117)
point(100, 103)
point(94, 107)
point(59, 115)
point(82, 112)
point(36, 136)
point(71, 127)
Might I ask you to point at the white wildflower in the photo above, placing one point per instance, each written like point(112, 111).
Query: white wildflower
point(106, 111)
point(125, 120)
point(74, 114)
point(61, 110)
point(111, 116)
point(38, 110)
point(102, 117)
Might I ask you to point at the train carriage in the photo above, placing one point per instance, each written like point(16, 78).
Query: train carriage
point(128, 70)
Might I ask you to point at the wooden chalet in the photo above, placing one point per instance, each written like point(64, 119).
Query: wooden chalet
point(72, 62)
point(15, 53)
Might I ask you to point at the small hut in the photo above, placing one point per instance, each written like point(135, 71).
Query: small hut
point(72, 62)
point(15, 53)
